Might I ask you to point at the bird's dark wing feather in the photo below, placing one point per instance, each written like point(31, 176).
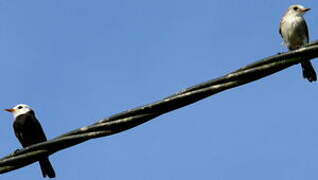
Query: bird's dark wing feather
point(28, 129)
point(19, 135)
point(304, 25)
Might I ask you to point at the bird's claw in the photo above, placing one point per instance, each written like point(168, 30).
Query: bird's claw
point(16, 151)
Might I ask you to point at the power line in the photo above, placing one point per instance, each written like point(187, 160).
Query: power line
point(134, 117)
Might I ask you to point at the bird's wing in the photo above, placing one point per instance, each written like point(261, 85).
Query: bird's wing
point(19, 135)
point(38, 130)
point(28, 130)
point(18, 127)
point(305, 29)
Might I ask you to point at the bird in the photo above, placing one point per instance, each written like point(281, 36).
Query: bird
point(294, 31)
point(29, 131)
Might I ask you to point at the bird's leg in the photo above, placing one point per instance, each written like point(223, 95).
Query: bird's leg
point(16, 151)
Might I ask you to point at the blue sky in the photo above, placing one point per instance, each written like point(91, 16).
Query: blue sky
point(76, 62)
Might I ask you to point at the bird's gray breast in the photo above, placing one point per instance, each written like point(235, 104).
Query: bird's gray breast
point(294, 32)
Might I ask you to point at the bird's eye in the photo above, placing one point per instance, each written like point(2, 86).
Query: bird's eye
point(295, 8)
point(20, 107)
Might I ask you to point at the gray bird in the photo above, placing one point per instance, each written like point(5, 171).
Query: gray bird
point(294, 31)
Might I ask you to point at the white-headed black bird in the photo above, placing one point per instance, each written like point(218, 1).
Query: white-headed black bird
point(29, 131)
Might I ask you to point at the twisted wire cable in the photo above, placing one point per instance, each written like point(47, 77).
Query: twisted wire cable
point(134, 117)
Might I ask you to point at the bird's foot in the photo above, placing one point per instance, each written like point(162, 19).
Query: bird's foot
point(16, 151)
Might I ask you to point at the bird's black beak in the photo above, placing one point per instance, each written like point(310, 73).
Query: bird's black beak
point(305, 9)
point(9, 110)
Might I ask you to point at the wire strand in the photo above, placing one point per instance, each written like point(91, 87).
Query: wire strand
point(134, 117)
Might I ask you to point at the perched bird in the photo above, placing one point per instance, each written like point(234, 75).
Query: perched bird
point(294, 31)
point(29, 131)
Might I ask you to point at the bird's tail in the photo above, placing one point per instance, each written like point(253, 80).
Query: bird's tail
point(47, 168)
point(308, 71)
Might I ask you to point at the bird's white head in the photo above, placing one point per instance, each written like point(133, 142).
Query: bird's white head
point(297, 10)
point(19, 109)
